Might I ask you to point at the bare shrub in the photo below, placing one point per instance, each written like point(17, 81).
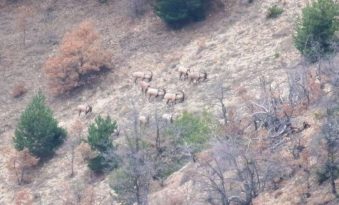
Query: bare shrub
point(24, 13)
point(329, 139)
point(76, 193)
point(18, 90)
point(80, 56)
point(19, 163)
point(274, 112)
point(76, 132)
point(131, 181)
point(138, 7)
point(236, 173)
point(85, 151)
point(88, 197)
point(23, 197)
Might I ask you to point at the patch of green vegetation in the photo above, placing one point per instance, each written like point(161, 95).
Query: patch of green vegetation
point(314, 35)
point(37, 130)
point(100, 140)
point(193, 130)
point(177, 12)
point(324, 174)
point(274, 11)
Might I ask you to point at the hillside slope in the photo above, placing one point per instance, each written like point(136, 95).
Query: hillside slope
point(235, 48)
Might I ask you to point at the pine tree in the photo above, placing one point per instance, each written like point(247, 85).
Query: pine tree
point(100, 139)
point(314, 35)
point(37, 130)
point(176, 12)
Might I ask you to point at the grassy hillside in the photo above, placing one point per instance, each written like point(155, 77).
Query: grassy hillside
point(237, 45)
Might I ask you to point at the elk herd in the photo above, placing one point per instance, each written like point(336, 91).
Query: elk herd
point(160, 93)
point(143, 80)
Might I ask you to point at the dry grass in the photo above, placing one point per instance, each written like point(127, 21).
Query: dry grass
point(24, 14)
point(232, 47)
point(84, 151)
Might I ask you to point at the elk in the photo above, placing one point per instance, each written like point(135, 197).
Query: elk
point(155, 92)
point(183, 72)
point(143, 120)
point(174, 97)
point(142, 75)
point(144, 86)
point(197, 76)
point(84, 109)
point(168, 118)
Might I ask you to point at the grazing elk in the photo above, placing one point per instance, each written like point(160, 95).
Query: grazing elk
point(174, 97)
point(143, 120)
point(183, 72)
point(197, 76)
point(84, 109)
point(168, 118)
point(144, 86)
point(155, 92)
point(142, 75)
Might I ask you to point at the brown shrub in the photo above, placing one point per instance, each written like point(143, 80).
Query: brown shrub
point(88, 196)
point(19, 163)
point(84, 150)
point(18, 90)
point(80, 56)
point(23, 197)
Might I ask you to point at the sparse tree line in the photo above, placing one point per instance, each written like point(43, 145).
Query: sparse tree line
point(142, 158)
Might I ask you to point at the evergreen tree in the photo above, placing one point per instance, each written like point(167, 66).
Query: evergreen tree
point(100, 139)
point(176, 12)
point(315, 31)
point(37, 130)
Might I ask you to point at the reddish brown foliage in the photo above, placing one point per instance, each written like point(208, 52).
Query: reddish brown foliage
point(18, 163)
point(23, 197)
point(80, 56)
point(18, 90)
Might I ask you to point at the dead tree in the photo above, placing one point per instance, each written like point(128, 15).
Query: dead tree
point(19, 163)
point(138, 7)
point(235, 174)
point(274, 112)
point(298, 88)
point(330, 135)
point(23, 15)
point(220, 98)
point(214, 181)
point(132, 180)
point(157, 134)
point(74, 140)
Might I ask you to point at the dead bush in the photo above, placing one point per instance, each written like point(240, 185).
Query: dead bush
point(80, 56)
point(18, 90)
point(23, 197)
point(84, 150)
point(18, 165)
point(88, 196)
